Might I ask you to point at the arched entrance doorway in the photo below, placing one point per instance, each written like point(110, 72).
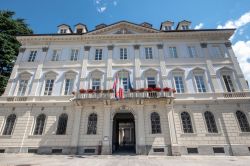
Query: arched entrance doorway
point(123, 138)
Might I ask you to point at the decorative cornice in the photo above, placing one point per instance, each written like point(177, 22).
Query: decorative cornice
point(136, 47)
point(87, 48)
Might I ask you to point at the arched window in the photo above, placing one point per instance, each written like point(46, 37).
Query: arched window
point(242, 119)
point(186, 122)
point(62, 124)
point(40, 121)
point(92, 123)
point(155, 123)
point(210, 121)
point(10, 121)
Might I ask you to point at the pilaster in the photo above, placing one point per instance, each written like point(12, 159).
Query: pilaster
point(109, 67)
point(141, 143)
point(106, 142)
point(162, 65)
point(76, 127)
point(83, 75)
point(137, 73)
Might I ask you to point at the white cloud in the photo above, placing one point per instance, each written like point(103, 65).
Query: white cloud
point(199, 26)
point(115, 3)
point(242, 52)
point(101, 9)
point(243, 20)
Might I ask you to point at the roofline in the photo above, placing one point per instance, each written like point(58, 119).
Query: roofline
point(63, 24)
point(80, 24)
point(171, 31)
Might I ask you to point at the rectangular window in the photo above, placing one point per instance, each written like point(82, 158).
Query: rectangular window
point(149, 53)
point(192, 51)
point(228, 83)
point(184, 27)
point(74, 55)
point(96, 84)
point(55, 55)
point(151, 82)
point(168, 28)
point(218, 150)
point(173, 52)
point(63, 31)
point(192, 150)
point(123, 53)
point(179, 86)
point(22, 87)
point(200, 83)
point(98, 54)
point(68, 86)
point(32, 56)
point(216, 51)
point(48, 87)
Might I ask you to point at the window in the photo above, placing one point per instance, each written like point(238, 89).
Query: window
point(92, 123)
point(151, 82)
point(186, 122)
point(48, 87)
point(192, 150)
point(179, 86)
point(32, 56)
point(123, 53)
point(74, 55)
point(55, 55)
point(192, 51)
point(98, 54)
point(96, 83)
point(210, 121)
point(243, 122)
point(218, 150)
point(184, 27)
point(200, 83)
point(22, 87)
point(62, 124)
point(216, 51)
point(63, 31)
point(68, 86)
point(173, 52)
point(79, 30)
point(155, 123)
point(148, 53)
point(228, 83)
point(40, 122)
point(167, 28)
point(10, 121)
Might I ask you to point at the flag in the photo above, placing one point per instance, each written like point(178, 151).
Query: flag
point(116, 86)
point(121, 89)
point(129, 83)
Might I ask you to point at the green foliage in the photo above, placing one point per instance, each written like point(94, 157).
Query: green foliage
point(9, 29)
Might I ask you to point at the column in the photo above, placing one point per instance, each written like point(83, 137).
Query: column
point(83, 75)
point(137, 71)
point(106, 142)
point(162, 65)
point(242, 81)
point(38, 73)
point(109, 76)
point(212, 74)
point(76, 128)
point(141, 143)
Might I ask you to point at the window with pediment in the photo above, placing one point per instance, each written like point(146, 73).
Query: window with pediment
point(200, 82)
point(69, 82)
point(151, 78)
point(49, 83)
point(178, 79)
point(227, 79)
point(23, 83)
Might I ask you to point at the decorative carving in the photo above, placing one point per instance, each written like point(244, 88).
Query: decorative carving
point(203, 45)
point(136, 47)
point(110, 47)
point(87, 48)
point(228, 44)
point(159, 46)
point(45, 49)
point(22, 50)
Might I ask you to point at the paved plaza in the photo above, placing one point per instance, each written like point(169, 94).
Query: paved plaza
point(118, 160)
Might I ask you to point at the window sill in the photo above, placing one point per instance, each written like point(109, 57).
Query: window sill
point(5, 136)
point(244, 134)
point(188, 135)
point(35, 136)
point(213, 134)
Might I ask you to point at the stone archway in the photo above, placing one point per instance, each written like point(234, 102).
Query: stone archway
point(123, 135)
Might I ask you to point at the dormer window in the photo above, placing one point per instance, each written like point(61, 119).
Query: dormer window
point(167, 28)
point(63, 31)
point(79, 30)
point(184, 27)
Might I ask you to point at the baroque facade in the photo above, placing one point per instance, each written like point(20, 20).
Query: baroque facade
point(59, 97)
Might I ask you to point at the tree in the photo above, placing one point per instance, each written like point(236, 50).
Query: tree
point(9, 29)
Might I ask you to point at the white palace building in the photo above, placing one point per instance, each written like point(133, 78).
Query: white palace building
point(188, 95)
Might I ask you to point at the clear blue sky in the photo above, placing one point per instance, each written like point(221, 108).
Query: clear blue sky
point(43, 16)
